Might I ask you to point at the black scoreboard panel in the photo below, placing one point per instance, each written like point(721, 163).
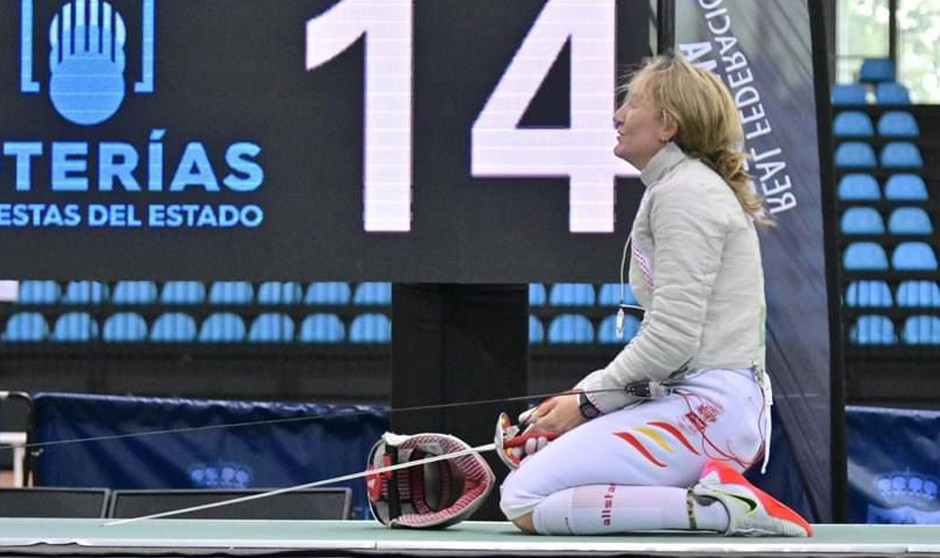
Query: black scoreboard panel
point(402, 140)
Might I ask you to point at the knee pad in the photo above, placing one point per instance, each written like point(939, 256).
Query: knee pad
point(513, 500)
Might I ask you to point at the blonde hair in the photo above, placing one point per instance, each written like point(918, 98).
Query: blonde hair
point(706, 118)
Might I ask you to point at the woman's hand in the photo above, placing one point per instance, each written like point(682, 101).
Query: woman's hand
point(559, 414)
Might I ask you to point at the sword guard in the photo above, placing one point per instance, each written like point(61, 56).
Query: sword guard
point(505, 431)
point(512, 446)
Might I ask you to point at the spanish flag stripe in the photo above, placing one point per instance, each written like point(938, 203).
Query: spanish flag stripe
point(675, 432)
point(656, 436)
point(629, 438)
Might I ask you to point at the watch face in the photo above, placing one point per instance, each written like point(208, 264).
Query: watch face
point(588, 410)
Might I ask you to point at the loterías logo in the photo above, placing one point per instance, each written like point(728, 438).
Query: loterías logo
point(87, 58)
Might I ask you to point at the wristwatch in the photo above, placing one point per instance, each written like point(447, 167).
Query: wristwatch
point(588, 410)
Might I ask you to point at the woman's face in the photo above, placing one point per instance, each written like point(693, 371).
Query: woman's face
point(641, 131)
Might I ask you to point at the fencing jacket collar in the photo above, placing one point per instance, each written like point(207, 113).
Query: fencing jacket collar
point(665, 159)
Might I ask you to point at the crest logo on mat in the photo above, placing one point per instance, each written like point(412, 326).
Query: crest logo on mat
point(220, 475)
point(909, 497)
point(909, 488)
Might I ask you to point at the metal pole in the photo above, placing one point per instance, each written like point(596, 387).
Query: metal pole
point(838, 465)
point(665, 25)
point(893, 32)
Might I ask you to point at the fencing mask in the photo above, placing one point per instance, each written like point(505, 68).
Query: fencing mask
point(437, 494)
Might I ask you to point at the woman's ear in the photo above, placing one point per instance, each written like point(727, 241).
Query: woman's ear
point(670, 128)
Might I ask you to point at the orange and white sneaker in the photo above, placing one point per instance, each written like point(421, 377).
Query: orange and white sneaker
point(752, 512)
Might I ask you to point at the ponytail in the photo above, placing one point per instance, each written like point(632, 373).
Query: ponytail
point(730, 165)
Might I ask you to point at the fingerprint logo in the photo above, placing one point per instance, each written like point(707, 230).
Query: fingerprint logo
point(87, 61)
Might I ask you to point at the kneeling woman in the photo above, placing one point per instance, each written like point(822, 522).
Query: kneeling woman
point(673, 462)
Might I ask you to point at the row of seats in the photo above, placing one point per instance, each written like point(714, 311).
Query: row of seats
point(195, 292)
point(898, 187)
point(879, 330)
point(874, 293)
point(902, 220)
point(242, 292)
point(889, 93)
point(895, 154)
point(577, 329)
point(580, 294)
point(892, 124)
point(907, 256)
point(176, 327)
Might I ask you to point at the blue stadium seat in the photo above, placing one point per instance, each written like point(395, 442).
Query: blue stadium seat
point(868, 294)
point(271, 327)
point(867, 256)
point(273, 292)
point(25, 327)
point(862, 220)
point(570, 328)
point(134, 292)
point(328, 293)
point(222, 327)
point(231, 292)
point(875, 70)
point(124, 327)
point(849, 94)
point(39, 292)
point(909, 220)
point(370, 328)
point(571, 294)
point(610, 295)
point(85, 292)
point(379, 294)
point(919, 294)
point(537, 295)
point(891, 93)
point(921, 330)
point(859, 187)
point(855, 155)
point(74, 327)
point(173, 327)
point(901, 154)
point(873, 330)
point(906, 187)
point(852, 123)
point(322, 328)
point(913, 256)
point(898, 124)
point(183, 292)
point(536, 331)
point(607, 331)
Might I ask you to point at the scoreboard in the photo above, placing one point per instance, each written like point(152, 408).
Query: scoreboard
point(401, 140)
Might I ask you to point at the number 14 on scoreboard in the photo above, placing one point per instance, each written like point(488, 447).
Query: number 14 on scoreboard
point(499, 147)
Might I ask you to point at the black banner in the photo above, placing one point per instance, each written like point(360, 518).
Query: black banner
point(763, 51)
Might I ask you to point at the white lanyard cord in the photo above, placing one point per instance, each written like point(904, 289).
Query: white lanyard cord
point(623, 305)
point(763, 380)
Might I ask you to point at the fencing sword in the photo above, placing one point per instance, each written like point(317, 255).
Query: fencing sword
point(367, 473)
point(501, 442)
point(289, 420)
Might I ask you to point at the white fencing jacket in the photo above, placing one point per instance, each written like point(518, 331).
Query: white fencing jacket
point(696, 269)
